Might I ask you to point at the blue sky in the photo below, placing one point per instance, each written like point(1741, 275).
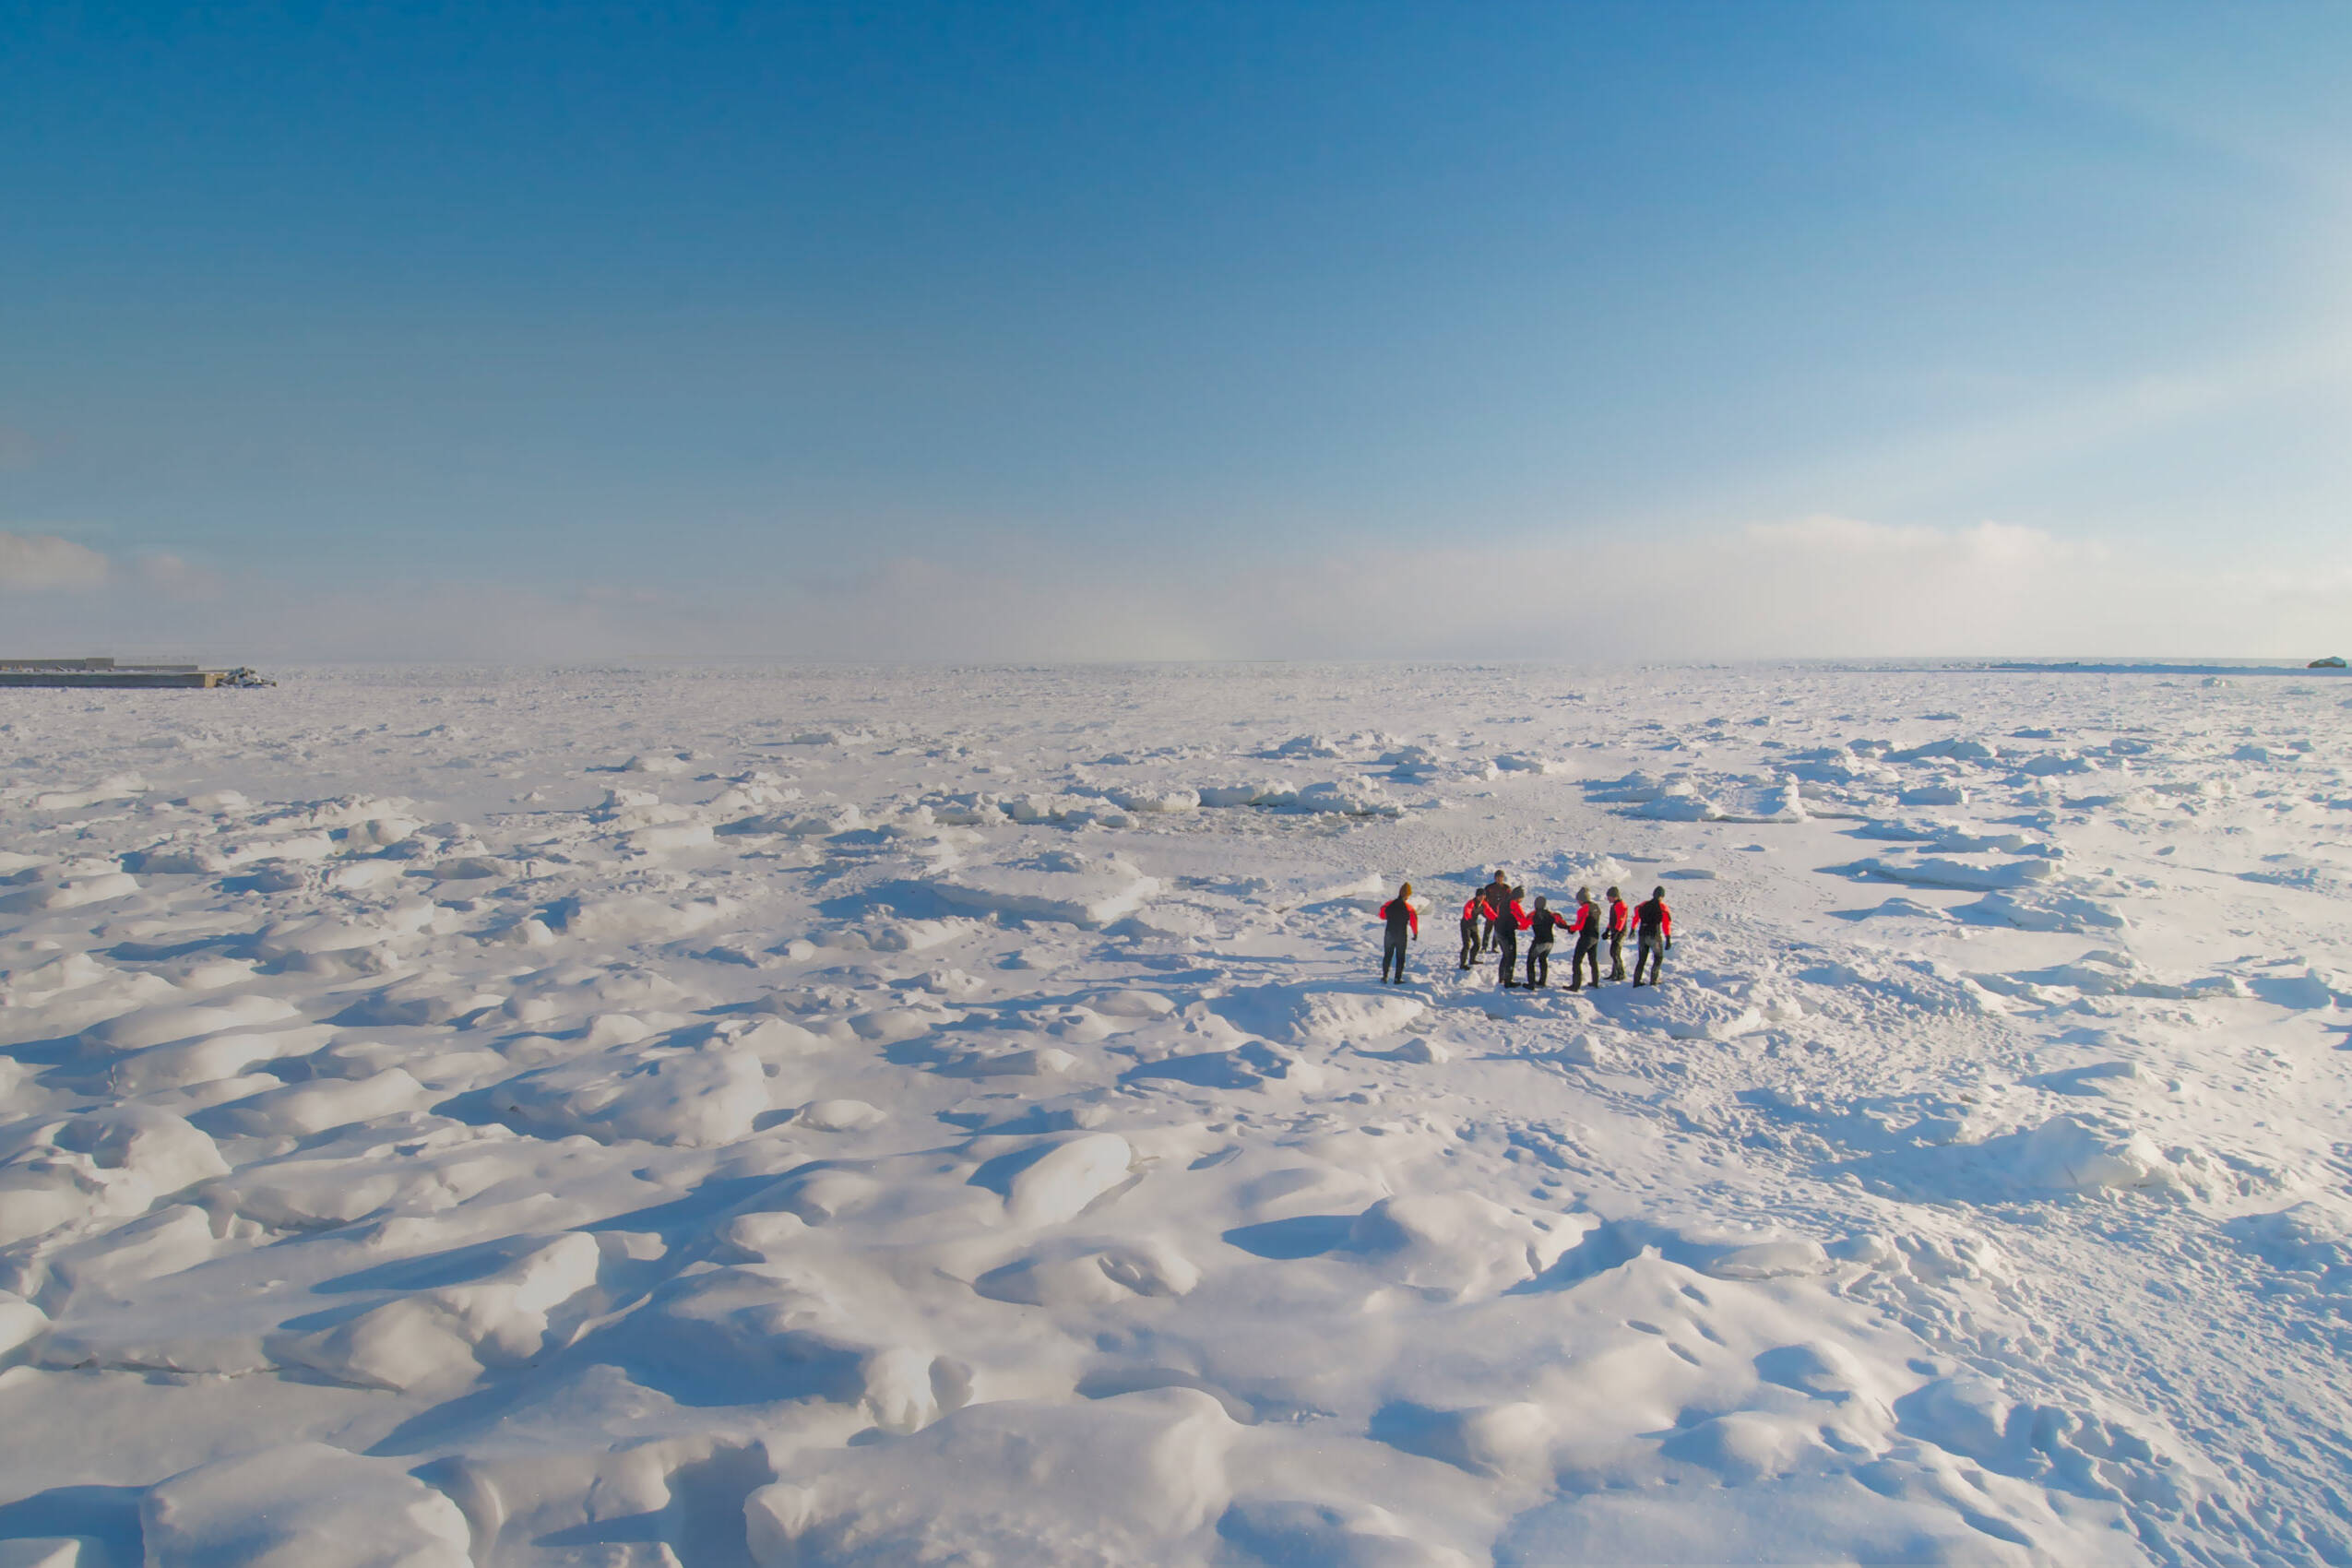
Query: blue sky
point(741, 312)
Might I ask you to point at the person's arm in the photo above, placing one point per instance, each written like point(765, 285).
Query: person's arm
point(1665, 926)
point(1414, 916)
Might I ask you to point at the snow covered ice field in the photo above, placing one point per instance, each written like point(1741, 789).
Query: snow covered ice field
point(724, 1117)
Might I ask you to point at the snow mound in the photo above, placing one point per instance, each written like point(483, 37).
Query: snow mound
point(1098, 1272)
point(700, 1098)
point(1456, 1246)
point(1058, 886)
point(114, 1161)
point(304, 1505)
point(1014, 1481)
point(1066, 1178)
point(1938, 873)
point(636, 918)
point(165, 1025)
point(1332, 1017)
point(2066, 1154)
point(444, 1337)
point(2042, 909)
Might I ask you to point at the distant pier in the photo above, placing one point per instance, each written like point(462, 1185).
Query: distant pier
point(104, 675)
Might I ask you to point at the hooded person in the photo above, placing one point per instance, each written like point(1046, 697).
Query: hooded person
point(1620, 918)
point(1508, 925)
point(1474, 912)
point(1496, 894)
point(1586, 928)
point(1544, 924)
point(1654, 933)
point(1400, 923)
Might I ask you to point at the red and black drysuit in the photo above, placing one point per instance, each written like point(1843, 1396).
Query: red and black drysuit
point(1400, 918)
point(1472, 913)
point(1546, 922)
point(1620, 919)
point(1586, 930)
point(1507, 927)
point(1653, 924)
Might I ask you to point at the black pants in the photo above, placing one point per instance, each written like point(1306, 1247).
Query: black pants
point(1616, 955)
point(1651, 952)
point(1469, 941)
point(1539, 964)
point(1508, 946)
point(1588, 953)
point(1393, 951)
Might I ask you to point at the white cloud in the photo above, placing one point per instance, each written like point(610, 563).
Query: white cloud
point(39, 562)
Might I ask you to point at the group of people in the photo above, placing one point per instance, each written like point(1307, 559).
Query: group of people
point(1493, 918)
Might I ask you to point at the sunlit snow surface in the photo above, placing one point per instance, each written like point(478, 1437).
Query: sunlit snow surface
point(722, 1117)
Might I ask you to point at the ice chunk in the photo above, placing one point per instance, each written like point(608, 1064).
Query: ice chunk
point(2042, 909)
point(1154, 802)
point(1935, 873)
point(839, 1116)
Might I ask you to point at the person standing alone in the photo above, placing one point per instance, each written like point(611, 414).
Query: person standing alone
point(1653, 925)
point(1402, 923)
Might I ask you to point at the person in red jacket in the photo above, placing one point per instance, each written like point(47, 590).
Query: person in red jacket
point(1473, 912)
point(1400, 918)
point(1620, 918)
point(1653, 924)
point(1586, 928)
point(1543, 925)
point(1508, 924)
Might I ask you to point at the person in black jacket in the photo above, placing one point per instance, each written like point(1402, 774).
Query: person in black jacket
point(1511, 921)
point(1654, 932)
point(1496, 896)
point(1586, 926)
point(1543, 925)
point(1402, 922)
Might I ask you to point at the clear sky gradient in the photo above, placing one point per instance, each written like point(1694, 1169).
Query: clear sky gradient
point(909, 329)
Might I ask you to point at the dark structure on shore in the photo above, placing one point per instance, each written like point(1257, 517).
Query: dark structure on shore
point(104, 675)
